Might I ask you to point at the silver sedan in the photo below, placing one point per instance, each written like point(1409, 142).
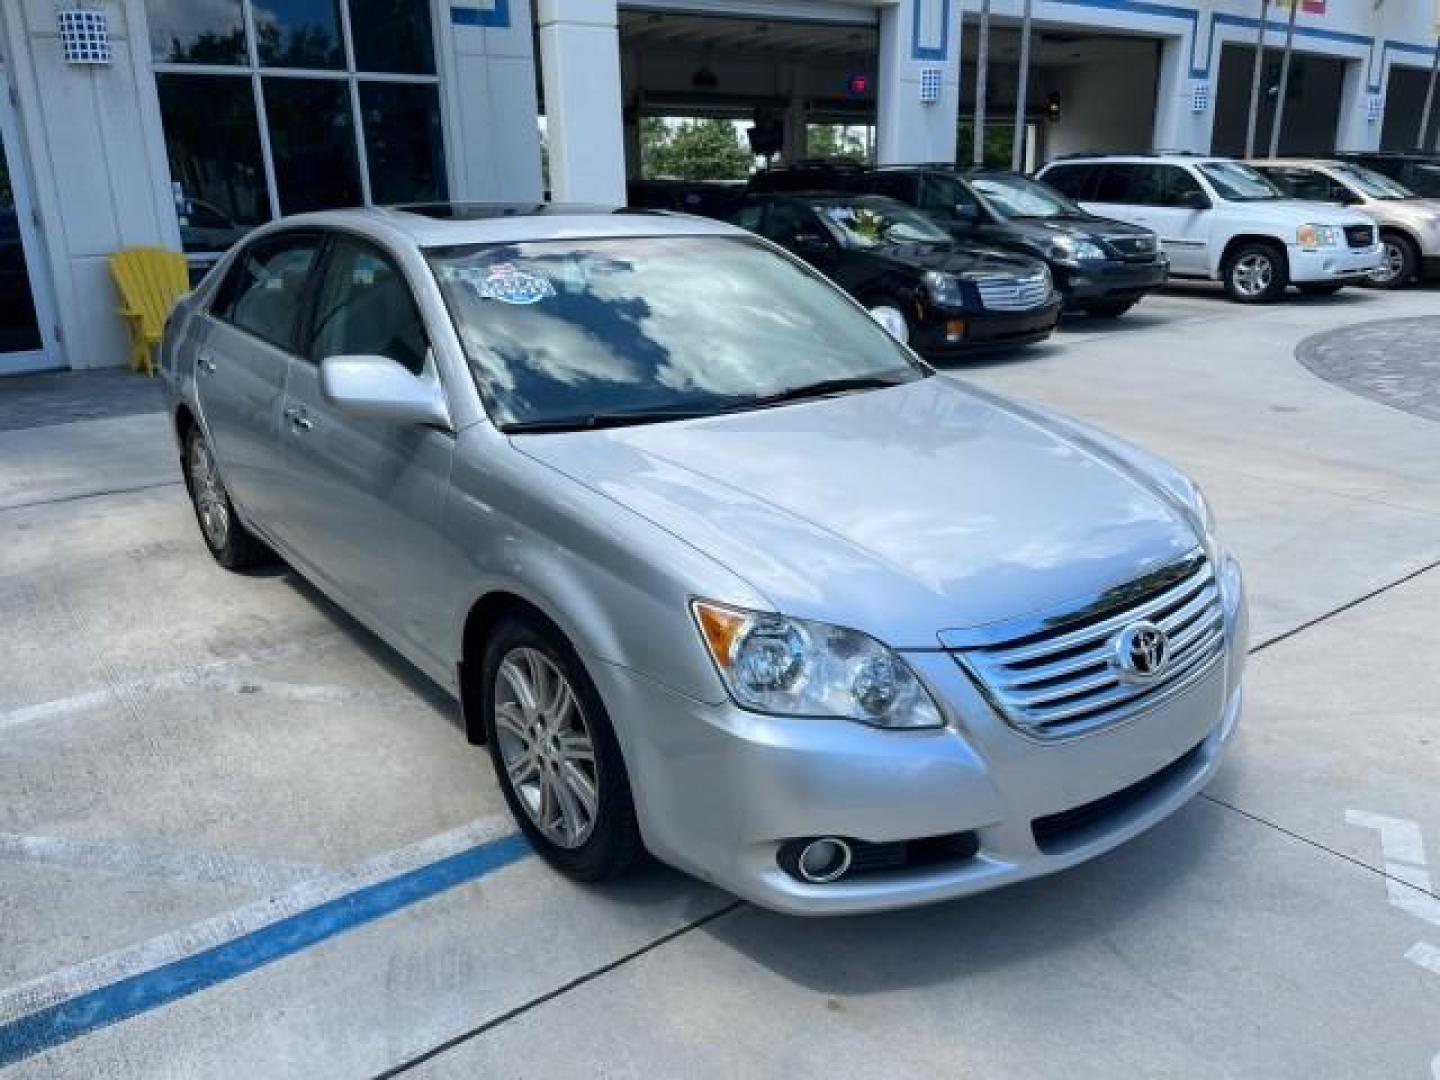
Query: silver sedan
point(715, 567)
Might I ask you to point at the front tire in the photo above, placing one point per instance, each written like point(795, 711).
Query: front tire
point(233, 546)
point(555, 752)
point(1256, 274)
point(1400, 263)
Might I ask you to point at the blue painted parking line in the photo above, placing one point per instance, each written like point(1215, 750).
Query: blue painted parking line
point(69, 1019)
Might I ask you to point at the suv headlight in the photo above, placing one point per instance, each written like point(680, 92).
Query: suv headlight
point(794, 667)
point(944, 289)
point(1075, 249)
point(1317, 236)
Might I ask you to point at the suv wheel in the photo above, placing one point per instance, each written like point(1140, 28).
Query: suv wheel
point(555, 753)
point(893, 320)
point(234, 546)
point(1399, 263)
point(1256, 273)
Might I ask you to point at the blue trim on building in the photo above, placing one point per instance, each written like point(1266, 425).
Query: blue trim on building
point(496, 16)
point(934, 53)
point(148, 990)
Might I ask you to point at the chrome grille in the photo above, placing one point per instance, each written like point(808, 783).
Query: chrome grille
point(1012, 293)
point(1360, 236)
point(1064, 679)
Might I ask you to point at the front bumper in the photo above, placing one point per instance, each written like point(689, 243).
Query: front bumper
point(1110, 280)
point(1334, 264)
point(984, 329)
point(718, 790)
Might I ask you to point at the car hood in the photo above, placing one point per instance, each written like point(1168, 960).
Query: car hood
point(1083, 226)
point(957, 259)
point(902, 512)
point(1305, 213)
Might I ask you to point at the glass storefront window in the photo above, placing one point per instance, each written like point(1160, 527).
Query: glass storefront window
point(403, 142)
point(213, 143)
point(312, 140)
point(235, 164)
point(393, 35)
point(184, 32)
point(299, 33)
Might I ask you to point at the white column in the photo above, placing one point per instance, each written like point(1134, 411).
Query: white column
point(916, 36)
point(1177, 125)
point(1356, 131)
point(580, 68)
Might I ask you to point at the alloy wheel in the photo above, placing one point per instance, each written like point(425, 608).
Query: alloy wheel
point(209, 494)
point(1253, 275)
point(546, 747)
point(1391, 267)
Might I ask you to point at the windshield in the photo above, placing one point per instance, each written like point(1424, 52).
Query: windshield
point(1371, 183)
point(1017, 197)
point(871, 223)
point(1239, 183)
point(564, 330)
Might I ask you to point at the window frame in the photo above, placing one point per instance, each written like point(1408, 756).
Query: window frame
point(236, 267)
point(253, 70)
point(305, 325)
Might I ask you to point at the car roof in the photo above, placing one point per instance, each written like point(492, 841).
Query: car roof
point(430, 225)
point(1140, 159)
point(1303, 162)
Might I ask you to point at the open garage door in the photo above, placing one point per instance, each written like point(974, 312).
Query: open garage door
point(1088, 92)
point(1312, 102)
point(1404, 103)
point(702, 80)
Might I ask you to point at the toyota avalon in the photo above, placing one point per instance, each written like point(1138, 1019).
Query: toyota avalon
point(714, 566)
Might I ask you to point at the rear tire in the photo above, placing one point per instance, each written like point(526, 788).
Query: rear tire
point(1256, 273)
point(1109, 309)
point(555, 752)
point(234, 546)
point(1400, 263)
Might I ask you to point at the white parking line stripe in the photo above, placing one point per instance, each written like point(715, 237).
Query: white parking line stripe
point(58, 986)
point(198, 676)
point(1425, 955)
point(129, 860)
point(1407, 880)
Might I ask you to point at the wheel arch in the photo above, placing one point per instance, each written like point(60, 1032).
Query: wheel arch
point(1236, 242)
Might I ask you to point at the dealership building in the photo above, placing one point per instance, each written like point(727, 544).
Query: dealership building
point(180, 123)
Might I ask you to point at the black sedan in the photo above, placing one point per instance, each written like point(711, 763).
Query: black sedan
point(941, 297)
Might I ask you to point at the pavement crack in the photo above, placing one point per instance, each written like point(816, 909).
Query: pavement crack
point(83, 495)
point(559, 991)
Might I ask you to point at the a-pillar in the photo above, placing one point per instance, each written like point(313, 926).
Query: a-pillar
point(919, 88)
point(580, 70)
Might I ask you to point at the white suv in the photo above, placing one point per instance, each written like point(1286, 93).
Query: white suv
point(1220, 219)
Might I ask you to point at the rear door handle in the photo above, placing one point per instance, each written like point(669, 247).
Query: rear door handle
point(207, 363)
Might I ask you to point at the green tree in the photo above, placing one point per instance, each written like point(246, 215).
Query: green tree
point(833, 142)
point(693, 150)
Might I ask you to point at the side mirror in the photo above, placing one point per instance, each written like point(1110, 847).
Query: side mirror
point(1193, 200)
point(810, 244)
point(379, 388)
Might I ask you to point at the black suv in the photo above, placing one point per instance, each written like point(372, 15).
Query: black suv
point(1100, 266)
point(939, 296)
point(1417, 170)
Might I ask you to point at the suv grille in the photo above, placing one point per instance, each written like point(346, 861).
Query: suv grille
point(1065, 678)
point(1360, 236)
point(1014, 294)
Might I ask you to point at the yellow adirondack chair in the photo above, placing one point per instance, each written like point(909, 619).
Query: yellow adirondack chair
point(150, 280)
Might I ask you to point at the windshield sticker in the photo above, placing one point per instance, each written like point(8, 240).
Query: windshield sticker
point(504, 282)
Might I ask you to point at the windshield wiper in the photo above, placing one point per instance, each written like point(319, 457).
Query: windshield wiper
point(824, 388)
point(597, 420)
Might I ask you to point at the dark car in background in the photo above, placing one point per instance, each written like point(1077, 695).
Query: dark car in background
point(941, 297)
point(1417, 170)
point(1100, 266)
point(707, 198)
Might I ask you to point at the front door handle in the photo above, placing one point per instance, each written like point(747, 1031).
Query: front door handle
point(298, 419)
point(207, 363)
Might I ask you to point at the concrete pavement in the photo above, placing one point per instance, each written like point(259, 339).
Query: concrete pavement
point(178, 743)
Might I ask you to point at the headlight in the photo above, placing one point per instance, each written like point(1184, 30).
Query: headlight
point(1209, 533)
point(795, 667)
point(1317, 236)
point(1074, 249)
point(944, 289)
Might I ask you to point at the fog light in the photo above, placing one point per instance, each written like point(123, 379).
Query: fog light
point(823, 860)
point(954, 330)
